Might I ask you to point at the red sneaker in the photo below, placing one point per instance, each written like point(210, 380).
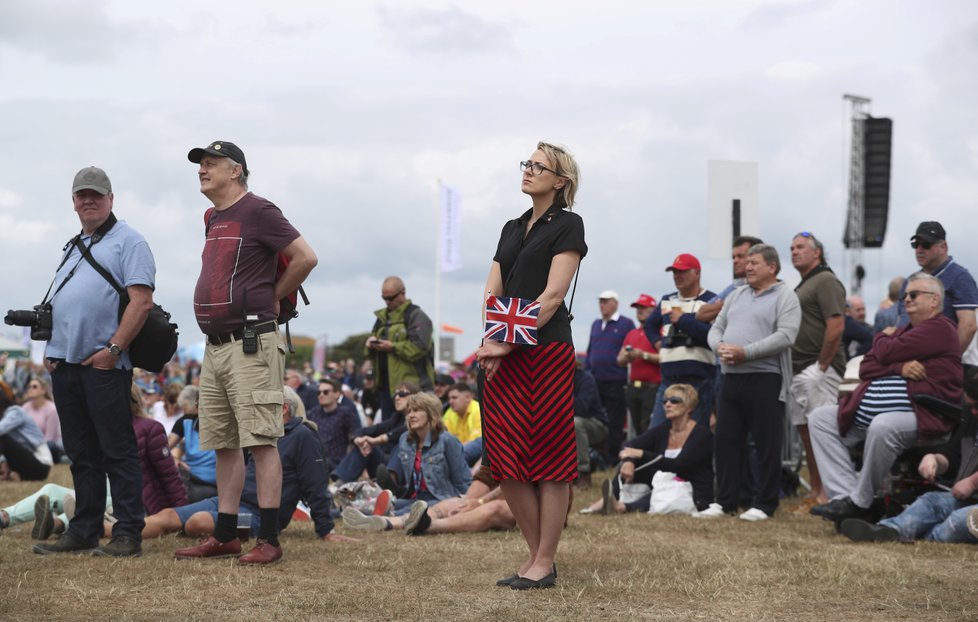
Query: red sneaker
point(383, 503)
point(211, 547)
point(263, 553)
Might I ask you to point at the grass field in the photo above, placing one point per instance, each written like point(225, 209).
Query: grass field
point(634, 567)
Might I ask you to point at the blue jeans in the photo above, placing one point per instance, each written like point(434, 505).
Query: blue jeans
point(936, 517)
point(704, 387)
point(472, 451)
point(354, 462)
point(209, 505)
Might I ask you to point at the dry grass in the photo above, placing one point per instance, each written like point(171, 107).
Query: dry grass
point(621, 568)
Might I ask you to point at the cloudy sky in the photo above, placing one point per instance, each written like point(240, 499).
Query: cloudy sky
point(350, 112)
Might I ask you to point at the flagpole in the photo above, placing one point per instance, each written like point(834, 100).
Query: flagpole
point(436, 329)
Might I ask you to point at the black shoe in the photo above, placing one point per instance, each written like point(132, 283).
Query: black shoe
point(508, 581)
point(838, 510)
point(859, 530)
point(43, 519)
point(607, 498)
point(386, 479)
point(67, 543)
point(522, 583)
point(120, 546)
point(418, 521)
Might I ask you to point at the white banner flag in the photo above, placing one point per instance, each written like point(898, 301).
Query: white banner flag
point(450, 243)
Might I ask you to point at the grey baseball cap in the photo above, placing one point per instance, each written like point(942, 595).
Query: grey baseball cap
point(92, 178)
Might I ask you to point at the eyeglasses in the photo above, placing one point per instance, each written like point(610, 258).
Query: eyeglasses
point(403, 394)
point(674, 399)
point(535, 168)
point(925, 245)
point(392, 296)
point(325, 391)
point(912, 294)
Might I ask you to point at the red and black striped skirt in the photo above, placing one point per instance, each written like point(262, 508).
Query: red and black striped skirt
point(528, 410)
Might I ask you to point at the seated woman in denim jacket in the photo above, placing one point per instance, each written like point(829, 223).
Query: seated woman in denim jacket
point(428, 460)
point(681, 446)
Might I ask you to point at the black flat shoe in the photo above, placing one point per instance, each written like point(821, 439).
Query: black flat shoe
point(522, 583)
point(508, 581)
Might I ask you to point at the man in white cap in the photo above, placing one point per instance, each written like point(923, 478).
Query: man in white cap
point(607, 336)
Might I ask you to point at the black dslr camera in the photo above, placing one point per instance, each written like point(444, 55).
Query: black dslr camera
point(40, 321)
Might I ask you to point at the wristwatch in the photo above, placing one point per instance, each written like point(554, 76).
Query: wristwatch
point(114, 349)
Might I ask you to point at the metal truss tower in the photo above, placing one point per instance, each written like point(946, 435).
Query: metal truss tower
point(856, 214)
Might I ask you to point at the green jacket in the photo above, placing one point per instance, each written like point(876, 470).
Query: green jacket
point(412, 359)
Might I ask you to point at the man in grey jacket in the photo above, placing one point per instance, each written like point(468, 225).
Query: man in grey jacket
point(753, 336)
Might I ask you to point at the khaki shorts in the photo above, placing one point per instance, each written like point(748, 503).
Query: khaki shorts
point(811, 388)
point(241, 394)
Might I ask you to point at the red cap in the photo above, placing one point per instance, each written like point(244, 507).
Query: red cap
point(684, 262)
point(644, 300)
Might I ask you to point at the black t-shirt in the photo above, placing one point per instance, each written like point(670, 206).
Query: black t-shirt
point(525, 261)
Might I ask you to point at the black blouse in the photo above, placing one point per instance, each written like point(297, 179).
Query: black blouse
point(525, 261)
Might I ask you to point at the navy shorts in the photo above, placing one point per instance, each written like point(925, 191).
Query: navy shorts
point(209, 505)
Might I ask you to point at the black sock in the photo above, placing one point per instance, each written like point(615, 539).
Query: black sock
point(268, 529)
point(226, 528)
point(423, 524)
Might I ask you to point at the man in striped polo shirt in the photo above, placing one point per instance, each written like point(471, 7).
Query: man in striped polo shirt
point(886, 410)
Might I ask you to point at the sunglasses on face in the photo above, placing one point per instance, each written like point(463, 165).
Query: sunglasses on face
point(924, 245)
point(674, 399)
point(325, 391)
point(392, 296)
point(403, 394)
point(912, 294)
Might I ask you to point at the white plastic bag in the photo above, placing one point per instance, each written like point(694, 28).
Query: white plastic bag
point(630, 493)
point(671, 495)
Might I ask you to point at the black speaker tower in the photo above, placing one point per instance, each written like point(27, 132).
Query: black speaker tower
point(877, 156)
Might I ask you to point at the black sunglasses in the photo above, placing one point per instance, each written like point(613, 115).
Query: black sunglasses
point(674, 399)
point(325, 391)
point(392, 296)
point(925, 245)
point(912, 294)
point(403, 394)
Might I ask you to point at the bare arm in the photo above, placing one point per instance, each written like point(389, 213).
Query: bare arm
point(831, 341)
point(709, 311)
point(966, 327)
point(562, 269)
point(140, 304)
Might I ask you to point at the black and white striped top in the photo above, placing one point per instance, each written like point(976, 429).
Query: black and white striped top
point(884, 395)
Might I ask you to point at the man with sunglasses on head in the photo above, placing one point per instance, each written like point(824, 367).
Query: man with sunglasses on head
point(817, 359)
point(237, 306)
point(906, 376)
point(961, 293)
point(400, 344)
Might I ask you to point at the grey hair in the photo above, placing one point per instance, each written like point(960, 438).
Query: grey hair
point(243, 179)
point(936, 282)
point(815, 244)
point(768, 253)
point(189, 396)
point(292, 400)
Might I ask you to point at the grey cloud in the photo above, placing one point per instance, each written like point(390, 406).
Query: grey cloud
point(68, 32)
point(451, 31)
point(775, 14)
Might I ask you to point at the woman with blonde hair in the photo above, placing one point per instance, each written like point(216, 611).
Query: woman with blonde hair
point(528, 396)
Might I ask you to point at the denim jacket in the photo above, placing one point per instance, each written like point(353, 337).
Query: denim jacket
point(442, 465)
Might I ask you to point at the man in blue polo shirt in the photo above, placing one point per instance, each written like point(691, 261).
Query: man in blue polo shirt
point(960, 291)
point(607, 335)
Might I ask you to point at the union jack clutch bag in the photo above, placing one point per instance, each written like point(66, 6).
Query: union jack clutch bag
point(512, 320)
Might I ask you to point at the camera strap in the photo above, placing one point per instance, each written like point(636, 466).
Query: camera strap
point(97, 235)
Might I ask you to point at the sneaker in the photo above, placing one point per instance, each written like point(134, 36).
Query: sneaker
point(859, 530)
point(714, 511)
point(382, 504)
point(972, 521)
point(263, 554)
point(120, 546)
point(69, 505)
point(753, 515)
point(418, 520)
point(356, 519)
point(67, 543)
point(211, 547)
point(43, 519)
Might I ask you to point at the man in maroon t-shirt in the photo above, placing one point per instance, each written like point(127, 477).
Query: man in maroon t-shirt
point(237, 305)
point(644, 375)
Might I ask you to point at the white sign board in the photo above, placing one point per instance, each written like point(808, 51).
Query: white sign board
point(727, 181)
